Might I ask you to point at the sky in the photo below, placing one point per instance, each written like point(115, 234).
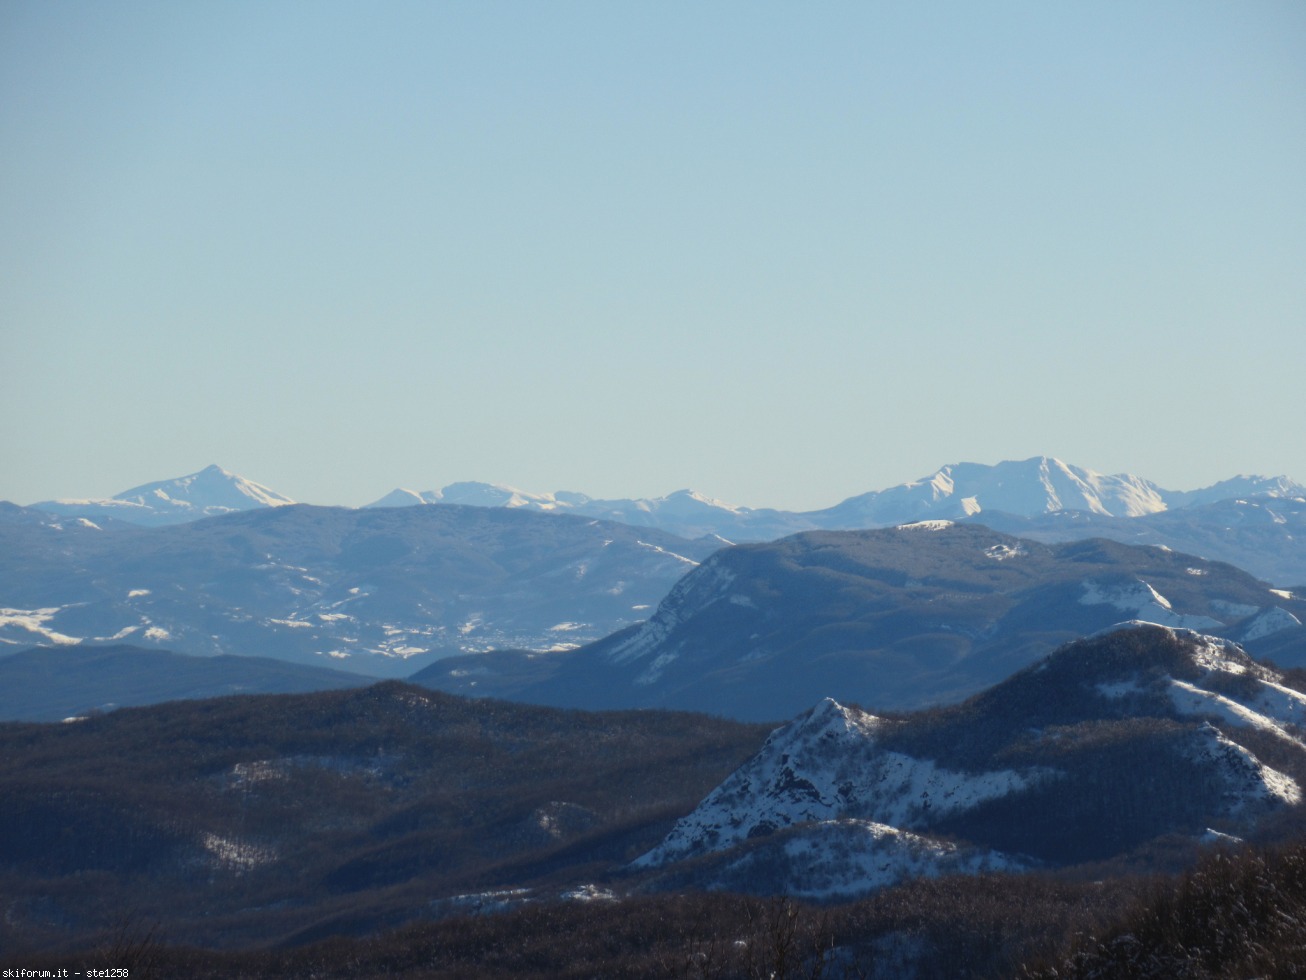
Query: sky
point(780, 253)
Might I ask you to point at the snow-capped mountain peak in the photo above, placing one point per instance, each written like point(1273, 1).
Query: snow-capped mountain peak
point(209, 492)
point(403, 497)
point(1038, 485)
point(211, 489)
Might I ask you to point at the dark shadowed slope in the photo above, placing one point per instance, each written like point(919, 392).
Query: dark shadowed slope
point(892, 618)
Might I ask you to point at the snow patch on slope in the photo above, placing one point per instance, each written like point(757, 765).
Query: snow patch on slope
point(670, 554)
point(1249, 779)
point(1189, 699)
point(1269, 622)
point(34, 621)
point(1143, 602)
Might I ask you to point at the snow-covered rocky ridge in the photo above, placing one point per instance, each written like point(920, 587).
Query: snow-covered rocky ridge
point(829, 765)
point(1139, 732)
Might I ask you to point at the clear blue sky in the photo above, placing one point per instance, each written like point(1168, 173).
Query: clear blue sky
point(780, 253)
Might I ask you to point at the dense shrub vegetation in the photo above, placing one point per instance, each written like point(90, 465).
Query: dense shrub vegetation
point(929, 929)
point(1239, 913)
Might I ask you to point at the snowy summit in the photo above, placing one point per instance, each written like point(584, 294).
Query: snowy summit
point(209, 493)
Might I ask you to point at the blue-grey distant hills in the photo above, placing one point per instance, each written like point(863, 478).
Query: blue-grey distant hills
point(68, 682)
point(891, 618)
point(1041, 497)
point(1264, 534)
point(377, 592)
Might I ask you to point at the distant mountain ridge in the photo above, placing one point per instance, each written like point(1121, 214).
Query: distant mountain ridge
point(893, 618)
point(1029, 488)
point(1041, 497)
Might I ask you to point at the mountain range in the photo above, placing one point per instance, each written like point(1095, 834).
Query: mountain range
point(553, 602)
point(891, 618)
point(1040, 485)
point(1056, 500)
point(966, 703)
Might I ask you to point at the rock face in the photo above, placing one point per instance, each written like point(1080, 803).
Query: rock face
point(1106, 745)
point(894, 618)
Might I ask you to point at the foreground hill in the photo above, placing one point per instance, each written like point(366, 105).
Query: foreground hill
point(359, 590)
point(253, 819)
point(892, 618)
point(54, 683)
point(1102, 750)
point(1237, 913)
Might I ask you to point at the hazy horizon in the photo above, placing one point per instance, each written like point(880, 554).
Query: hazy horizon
point(781, 255)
